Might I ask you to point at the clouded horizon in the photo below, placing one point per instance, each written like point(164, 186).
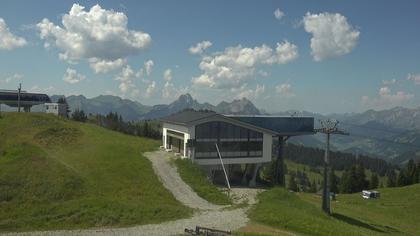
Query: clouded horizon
point(319, 56)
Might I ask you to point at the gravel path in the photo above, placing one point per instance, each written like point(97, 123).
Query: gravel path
point(171, 180)
point(207, 214)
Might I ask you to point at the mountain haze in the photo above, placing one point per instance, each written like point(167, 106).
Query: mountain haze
point(131, 110)
point(392, 134)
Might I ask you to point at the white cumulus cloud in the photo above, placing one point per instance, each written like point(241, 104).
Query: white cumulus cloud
point(332, 35)
point(278, 14)
point(14, 77)
point(415, 78)
point(170, 91)
point(98, 35)
point(200, 47)
point(9, 41)
point(251, 94)
point(103, 66)
point(167, 75)
point(127, 77)
point(285, 90)
point(387, 99)
point(150, 89)
point(389, 82)
point(72, 77)
point(148, 65)
point(235, 65)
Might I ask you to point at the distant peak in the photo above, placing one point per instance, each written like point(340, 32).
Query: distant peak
point(186, 96)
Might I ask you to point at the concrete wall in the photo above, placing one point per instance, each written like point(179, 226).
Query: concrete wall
point(177, 128)
point(56, 109)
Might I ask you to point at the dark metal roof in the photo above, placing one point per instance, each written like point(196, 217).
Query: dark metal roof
point(286, 126)
point(187, 117)
point(280, 124)
point(10, 97)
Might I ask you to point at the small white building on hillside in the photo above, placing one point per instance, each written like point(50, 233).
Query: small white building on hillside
point(58, 109)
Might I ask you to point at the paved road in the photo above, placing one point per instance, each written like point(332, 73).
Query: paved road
point(207, 214)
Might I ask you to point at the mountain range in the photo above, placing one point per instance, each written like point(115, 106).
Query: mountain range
point(392, 134)
point(131, 110)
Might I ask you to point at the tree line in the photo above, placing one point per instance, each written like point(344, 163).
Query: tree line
point(314, 157)
point(354, 179)
point(410, 174)
point(114, 121)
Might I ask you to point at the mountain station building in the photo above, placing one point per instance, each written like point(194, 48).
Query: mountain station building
point(243, 140)
point(25, 100)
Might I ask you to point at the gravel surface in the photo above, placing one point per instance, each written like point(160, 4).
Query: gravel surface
point(223, 220)
point(170, 178)
point(206, 215)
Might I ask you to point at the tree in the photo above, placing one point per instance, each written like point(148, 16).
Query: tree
point(361, 182)
point(346, 184)
point(411, 172)
point(62, 100)
point(333, 182)
point(146, 129)
point(418, 172)
point(391, 179)
point(292, 182)
point(79, 115)
point(374, 181)
point(402, 179)
point(313, 188)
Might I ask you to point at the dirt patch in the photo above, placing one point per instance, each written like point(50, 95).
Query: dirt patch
point(58, 136)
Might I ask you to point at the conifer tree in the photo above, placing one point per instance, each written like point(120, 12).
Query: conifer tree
point(391, 179)
point(79, 115)
point(333, 182)
point(411, 172)
point(292, 182)
point(402, 179)
point(374, 181)
point(313, 188)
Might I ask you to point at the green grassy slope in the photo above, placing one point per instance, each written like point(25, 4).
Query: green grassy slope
point(396, 213)
point(59, 174)
point(195, 177)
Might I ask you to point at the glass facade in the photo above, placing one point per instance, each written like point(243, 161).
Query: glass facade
point(30, 97)
point(233, 141)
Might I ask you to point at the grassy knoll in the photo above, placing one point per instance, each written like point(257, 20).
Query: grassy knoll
point(60, 174)
point(195, 177)
point(396, 213)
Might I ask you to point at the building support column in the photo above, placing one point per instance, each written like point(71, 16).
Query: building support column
point(244, 176)
point(280, 180)
point(184, 142)
point(253, 181)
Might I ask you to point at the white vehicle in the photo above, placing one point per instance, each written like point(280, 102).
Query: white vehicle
point(370, 194)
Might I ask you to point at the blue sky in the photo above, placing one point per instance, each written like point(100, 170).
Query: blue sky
point(321, 56)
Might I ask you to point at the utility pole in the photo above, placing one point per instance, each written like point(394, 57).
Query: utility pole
point(328, 127)
point(19, 89)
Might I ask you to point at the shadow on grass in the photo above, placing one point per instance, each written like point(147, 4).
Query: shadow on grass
point(358, 223)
